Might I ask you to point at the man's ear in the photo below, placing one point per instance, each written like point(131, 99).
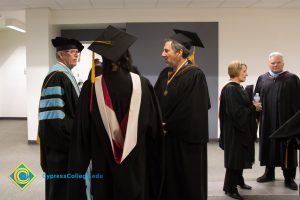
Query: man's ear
point(180, 52)
point(59, 55)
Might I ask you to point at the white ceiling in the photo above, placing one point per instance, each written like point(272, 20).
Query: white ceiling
point(98, 4)
point(16, 8)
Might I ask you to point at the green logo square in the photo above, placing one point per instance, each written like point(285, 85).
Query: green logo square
point(22, 176)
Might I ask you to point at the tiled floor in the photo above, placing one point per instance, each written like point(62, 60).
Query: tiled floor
point(216, 172)
point(14, 149)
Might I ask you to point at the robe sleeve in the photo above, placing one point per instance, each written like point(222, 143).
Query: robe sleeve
point(79, 153)
point(57, 109)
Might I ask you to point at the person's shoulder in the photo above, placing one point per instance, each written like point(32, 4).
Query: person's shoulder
point(264, 75)
point(145, 81)
point(193, 68)
point(198, 70)
point(55, 76)
point(134, 69)
point(166, 70)
point(146, 86)
point(87, 83)
point(63, 77)
point(60, 78)
point(291, 78)
point(232, 86)
point(291, 75)
point(194, 71)
point(86, 87)
point(163, 74)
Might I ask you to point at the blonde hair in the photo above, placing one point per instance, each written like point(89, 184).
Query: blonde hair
point(235, 67)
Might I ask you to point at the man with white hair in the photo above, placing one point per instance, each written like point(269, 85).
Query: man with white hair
point(280, 98)
point(57, 107)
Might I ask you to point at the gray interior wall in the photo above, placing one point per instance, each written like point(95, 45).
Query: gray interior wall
point(146, 53)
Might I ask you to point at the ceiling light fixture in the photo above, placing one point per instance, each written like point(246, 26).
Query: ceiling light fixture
point(15, 24)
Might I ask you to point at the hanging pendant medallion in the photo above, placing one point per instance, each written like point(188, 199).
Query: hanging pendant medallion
point(166, 92)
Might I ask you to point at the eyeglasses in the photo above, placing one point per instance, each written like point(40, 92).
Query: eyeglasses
point(72, 51)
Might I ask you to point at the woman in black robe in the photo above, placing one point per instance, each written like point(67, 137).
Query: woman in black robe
point(238, 129)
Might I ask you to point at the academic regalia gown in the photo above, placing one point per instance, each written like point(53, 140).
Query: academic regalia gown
point(98, 72)
point(185, 112)
point(280, 99)
point(290, 130)
point(237, 127)
point(139, 176)
point(59, 98)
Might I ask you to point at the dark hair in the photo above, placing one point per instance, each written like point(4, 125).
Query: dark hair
point(125, 62)
point(176, 46)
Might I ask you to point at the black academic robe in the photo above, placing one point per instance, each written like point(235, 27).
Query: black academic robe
point(237, 127)
point(139, 176)
point(98, 72)
point(289, 130)
point(280, 99)
point(185, 114)
point(57, 109)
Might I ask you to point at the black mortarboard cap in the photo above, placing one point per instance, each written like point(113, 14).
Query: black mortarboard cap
point(290, 129)
point(61, 43)
point(187, 38)
point(112, 43)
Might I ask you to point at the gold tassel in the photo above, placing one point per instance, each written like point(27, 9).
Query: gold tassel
point(103, 42)
point(286, 155)
point(192, 56)
point(38, 140)
point(93, 68)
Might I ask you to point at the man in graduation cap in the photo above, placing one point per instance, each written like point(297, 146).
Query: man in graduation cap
point(118, 128)
point(184, 99)
point(57, 107)
point(280, 97)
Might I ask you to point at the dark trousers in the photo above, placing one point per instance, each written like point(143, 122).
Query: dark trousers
point(287, 173)
point(233, 177)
